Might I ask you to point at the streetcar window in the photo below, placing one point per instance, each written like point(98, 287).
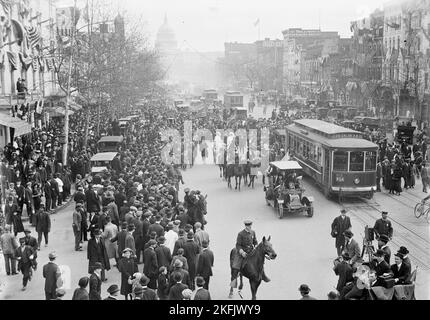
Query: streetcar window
point(340, 161)
point(370, 161)
point(356, 161)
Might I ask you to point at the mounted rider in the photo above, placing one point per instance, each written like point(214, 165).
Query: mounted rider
point(245, 244)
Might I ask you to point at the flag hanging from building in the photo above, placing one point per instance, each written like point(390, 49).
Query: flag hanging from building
point(65, 20)
point(35, 64)
point(27, 61)
point(33, 36)
point(49, 64)
point(7, 6)
point(41, 64)
point(13, 60)
point(256, 23)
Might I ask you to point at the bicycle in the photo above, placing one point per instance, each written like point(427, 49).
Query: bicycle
point(422, 209)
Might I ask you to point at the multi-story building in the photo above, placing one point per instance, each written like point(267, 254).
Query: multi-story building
point(270, 60)
point(239, 64)
point(27, 37)
point(302, 50)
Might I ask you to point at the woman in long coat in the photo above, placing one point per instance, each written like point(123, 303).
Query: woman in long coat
point(13, 216)
point(110, 232)
point(127, 266)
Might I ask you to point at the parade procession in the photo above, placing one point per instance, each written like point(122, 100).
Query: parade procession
point(141, 162)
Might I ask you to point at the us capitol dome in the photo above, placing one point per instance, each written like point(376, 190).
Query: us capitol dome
point(165, 41)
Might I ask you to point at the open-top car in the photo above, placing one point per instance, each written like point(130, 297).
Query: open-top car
point(285, 191)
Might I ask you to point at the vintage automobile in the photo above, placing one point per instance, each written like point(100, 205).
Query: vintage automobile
point(405, 133)
point(101, 161)
point(110, 143)
point(285, 192)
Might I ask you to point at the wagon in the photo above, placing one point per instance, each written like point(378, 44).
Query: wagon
point(285, 192)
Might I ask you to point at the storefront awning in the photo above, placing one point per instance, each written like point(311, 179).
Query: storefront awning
point(21, 127)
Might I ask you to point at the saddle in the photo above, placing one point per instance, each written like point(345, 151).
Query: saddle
point(236, 260)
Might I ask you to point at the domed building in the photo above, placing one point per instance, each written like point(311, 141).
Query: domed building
point(166, 42)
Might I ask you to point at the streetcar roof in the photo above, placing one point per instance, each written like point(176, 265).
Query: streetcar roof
point(324, 127)
point(351, 143)
point(286, 165)
point(104, 156)
point(111, 139)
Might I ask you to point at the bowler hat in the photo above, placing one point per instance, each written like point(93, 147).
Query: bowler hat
point(131, 227)
point(112, 289)
point(152, 242)
point(379, 253)
point(161, 239)
point(97, 265)
point(97, 232)
point(200, 281)
point(403, 250)
point(304, 288)
point(144, 280)
point(190, 235)
point(52, 255)
point(384, 238)
point(348, 234)
point(124, 225)
point(401, 256)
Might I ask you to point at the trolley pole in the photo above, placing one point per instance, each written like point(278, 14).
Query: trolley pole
point(69, 80)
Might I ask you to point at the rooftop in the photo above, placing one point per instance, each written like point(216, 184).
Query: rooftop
point(324, 127)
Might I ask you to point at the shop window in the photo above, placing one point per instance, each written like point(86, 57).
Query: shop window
point(356, 161)
point(340, 161)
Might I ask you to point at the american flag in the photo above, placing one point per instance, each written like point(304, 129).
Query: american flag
point(7, 5)
point(33, 36)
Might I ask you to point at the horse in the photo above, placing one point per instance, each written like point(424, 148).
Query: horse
point(228, 173)
point(251, 267)
point(239, 172)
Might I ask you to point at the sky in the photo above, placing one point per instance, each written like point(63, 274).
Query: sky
point(204, 25)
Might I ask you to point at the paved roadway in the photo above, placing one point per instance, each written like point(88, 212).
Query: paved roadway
point(304, 246)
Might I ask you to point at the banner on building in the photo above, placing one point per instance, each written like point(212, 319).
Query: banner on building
point(13, 60)
point(35, 64)
point(65, 20)
point(41, 64)
point(49, 64)
point(26, 60)
point(33, 36)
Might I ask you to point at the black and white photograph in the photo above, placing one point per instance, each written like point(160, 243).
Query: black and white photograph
point(224, 150)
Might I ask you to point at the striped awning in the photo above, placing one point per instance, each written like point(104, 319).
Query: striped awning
point(21, 127)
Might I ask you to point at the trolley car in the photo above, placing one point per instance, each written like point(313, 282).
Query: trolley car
point(337, 158)
point(233, 99)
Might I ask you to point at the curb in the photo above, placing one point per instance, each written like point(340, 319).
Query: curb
point(63, 206)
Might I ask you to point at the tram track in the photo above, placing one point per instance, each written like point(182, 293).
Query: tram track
point(418, 246)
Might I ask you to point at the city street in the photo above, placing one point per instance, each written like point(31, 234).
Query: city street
point(304, 246)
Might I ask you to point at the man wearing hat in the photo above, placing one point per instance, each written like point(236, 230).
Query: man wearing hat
point(383, 226)
point(8, 245)
point(113, 291)
point(150, 264)
point(96, 253)
point(405, 253)
point(339, 225)
point(175, 292)
point(120, 238)
point(382, 244)
point(343, 269)
point(201, 293)
point(245, 243)
point(205, 263)
point(164, 257)
point(52, 274)
point(24, 255)
point(77, 225)
point(401, 271)
point(191, 251)
point(95, 282)
point(147, 293)
point(157, 227)
point(304, 291)
point(129, 239)
point(351, 247)
point(380, 266)
point(32, 242)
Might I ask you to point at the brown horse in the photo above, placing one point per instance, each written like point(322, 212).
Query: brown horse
point(251, 267)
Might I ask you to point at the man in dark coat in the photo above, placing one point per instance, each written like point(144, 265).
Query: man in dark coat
point(205, 263)
point(351, 247)
point(383, 245)
point(383, 226)
point(48, 195)
point(175, 292)
point(380, 266)
point(339, 225)
point(120, 238)
point(97, 254)
point(164, 257)
point(32, 242)
point(96, 282)
point(401, 271)
point(150, 267)
point(55, 192)
point(24, 255)
point(180, 242)
point(51, 273)
point(43, 225)
point(178, 268)
point(344, 270)
point(201, 292)
point(157, 227)
point(127, 266)
point(79, 195)
point(191, 250)
point(92, 200)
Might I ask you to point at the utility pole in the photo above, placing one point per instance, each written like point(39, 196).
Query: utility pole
point(69, 79)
